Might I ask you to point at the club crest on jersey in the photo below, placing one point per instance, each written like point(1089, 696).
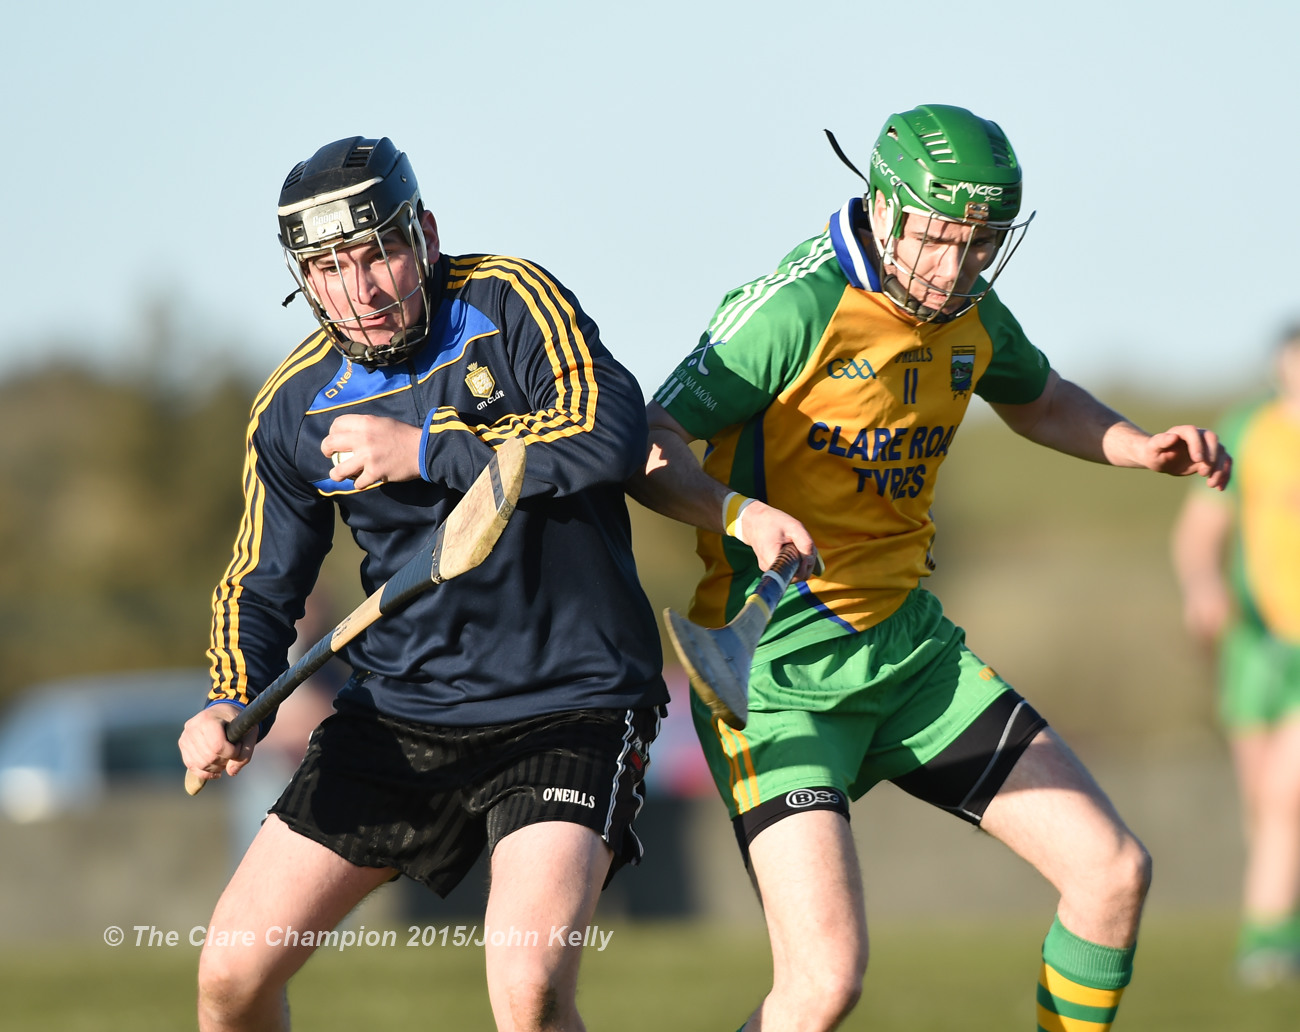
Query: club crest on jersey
point(963, 370)
point(480, 380)
point(696, 357)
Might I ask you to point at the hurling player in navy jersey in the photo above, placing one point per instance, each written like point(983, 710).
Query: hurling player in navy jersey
point(510, 709)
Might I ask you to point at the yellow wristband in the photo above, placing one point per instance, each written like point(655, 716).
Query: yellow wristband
point(733, 506)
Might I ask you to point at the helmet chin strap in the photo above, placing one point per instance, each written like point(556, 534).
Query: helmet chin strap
point(868, 200)
point(892, 286)
point(839, 153)
point(402, 342)
point(404, 339)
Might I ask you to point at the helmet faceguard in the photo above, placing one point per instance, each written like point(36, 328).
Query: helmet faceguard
point(351, 193)
point(945, 165)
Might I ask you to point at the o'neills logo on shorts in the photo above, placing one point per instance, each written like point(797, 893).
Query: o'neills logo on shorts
point(568, 795)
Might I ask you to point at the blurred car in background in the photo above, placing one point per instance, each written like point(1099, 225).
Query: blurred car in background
point(63, 744)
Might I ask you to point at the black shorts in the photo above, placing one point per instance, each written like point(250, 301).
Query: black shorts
point(384, 792)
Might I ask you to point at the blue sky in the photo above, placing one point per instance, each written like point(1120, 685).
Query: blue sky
point(651, 157)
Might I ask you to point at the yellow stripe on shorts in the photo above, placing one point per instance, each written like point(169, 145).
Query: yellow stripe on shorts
point(744, 786)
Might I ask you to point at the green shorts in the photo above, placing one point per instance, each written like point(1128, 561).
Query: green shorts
point(851, 711)
point(1260, 678)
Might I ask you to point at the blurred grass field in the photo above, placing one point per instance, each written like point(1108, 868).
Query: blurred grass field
point(974, 976)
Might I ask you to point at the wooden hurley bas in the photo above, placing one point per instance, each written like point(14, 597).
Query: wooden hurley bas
point(717, 659)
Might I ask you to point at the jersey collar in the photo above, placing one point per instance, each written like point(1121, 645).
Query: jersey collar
point(857, 263)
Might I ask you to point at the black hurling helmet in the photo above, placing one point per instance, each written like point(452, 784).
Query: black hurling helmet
point(350, 192)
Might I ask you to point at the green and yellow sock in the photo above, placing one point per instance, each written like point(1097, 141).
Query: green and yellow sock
point(1080, 983)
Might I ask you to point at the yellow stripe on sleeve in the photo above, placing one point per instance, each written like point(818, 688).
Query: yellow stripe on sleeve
point(226, 660)
point(566, 349)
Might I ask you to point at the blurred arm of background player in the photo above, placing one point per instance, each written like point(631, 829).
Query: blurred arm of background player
point(1200, 544)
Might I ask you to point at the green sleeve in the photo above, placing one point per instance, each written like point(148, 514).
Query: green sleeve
point(758, 342)
point(1018, 371)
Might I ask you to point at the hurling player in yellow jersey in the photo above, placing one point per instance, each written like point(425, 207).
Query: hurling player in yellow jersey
point(829, 393)
point(1238, 562)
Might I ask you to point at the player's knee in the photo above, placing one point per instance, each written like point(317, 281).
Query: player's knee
point(1137, 868)
point(538, 1003)
point(1126, 876)
point(828, 986)
point(1109, 879)
point(832, 995)
point(229, 988)
point(841, 994)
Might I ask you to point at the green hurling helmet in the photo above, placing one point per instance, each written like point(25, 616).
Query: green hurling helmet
point(944, 165)
point(948, 161)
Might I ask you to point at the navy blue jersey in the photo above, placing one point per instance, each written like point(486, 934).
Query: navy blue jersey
point(555, 618)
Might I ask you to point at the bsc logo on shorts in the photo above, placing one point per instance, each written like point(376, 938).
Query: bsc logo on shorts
point(804, 797)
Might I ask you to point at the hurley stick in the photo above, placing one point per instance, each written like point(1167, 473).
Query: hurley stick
point(717, 660)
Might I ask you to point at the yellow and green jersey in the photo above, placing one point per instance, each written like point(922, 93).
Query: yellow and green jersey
point(818, 395)
point(1264, 440)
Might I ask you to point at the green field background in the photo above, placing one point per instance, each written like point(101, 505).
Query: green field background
point(924, 977)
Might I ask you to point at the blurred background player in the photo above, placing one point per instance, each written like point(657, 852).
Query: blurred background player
point(510, 709)
point(829, 393)
point(1237, 556)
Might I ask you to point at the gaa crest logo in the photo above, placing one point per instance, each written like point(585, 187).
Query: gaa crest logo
point(480, 380)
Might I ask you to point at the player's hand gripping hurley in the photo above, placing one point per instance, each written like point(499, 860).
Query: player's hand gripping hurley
point(462, 542)
point(717, 660)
